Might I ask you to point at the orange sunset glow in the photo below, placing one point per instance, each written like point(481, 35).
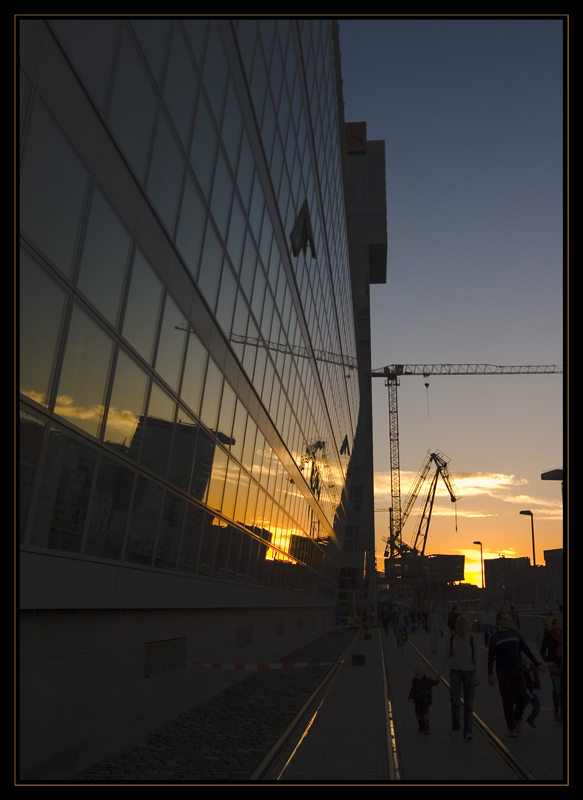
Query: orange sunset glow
point(488, 511)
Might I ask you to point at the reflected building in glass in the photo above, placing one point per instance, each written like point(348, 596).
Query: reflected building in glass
point(191, 335)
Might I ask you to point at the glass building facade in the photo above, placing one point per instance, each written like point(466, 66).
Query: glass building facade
point(189, 399)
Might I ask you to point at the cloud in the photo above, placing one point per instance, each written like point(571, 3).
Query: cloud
point(491, 484)
point(480, 488)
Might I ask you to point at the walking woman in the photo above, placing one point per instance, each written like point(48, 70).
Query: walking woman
point(463, 675)
point(552, 653)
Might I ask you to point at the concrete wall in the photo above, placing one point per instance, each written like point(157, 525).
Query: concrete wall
point(93, 681)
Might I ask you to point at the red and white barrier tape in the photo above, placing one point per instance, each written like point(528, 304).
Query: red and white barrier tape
point(283, 665)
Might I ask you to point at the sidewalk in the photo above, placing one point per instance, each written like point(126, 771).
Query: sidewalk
point(348, 739)
point(442, 757)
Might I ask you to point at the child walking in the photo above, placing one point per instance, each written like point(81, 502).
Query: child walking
point(532, 683)
point(422, 696)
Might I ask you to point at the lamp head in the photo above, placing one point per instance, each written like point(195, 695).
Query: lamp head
point(528, 513)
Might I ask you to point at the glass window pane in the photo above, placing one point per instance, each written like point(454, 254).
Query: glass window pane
point(216, 69)
point(228, 401)
point(91, 45)
point(204, 142)
point(236, 237)
point(165, 176)
point(232, 126)
point(242, 495)
point(53, 188)
point(203, 463)
point(109, 511)
point(231, 486)
point(31, 439)
point(191, 539)
point(25, 94)
point(183, 450)
point(170, 530)
point(191, 226)
point(196, 31)
point(238, 433)
point(41, 322)
point(85, 374)
point(208, 546)
point(126, 407)
point(194, 372)
point(222, 193)
point(258, 294)
point(61, 507)
point(152, 36)
point(105, 258)
point(248, 266)
point(180, 85)
point(249, 448)
point(212, 396)
point(245, 171)
point(210, 266)
point(144, 522)
point(226, 299)
point(221, 533)
point(133, 107)
point(173, 336)
point(158, 429)
point(217, 479)
point(143, 308)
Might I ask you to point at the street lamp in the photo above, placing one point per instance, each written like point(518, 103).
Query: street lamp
point(482, 562)
point(531, 515)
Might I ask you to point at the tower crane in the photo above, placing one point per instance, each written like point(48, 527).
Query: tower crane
point(392, 374)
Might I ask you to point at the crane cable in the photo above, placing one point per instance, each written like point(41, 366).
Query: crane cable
point(427, 388)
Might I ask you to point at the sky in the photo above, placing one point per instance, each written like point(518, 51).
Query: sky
point(471, 111)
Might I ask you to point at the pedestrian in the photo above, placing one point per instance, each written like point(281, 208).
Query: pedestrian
point(421, 694)
point(434, 626)
point(552, 654)
point(451, 618)
point(463, 675)
point(514, 615)
point(402, 622)
point(488, 623)
point(386, 623)
point(505, 649)
point(532, 684)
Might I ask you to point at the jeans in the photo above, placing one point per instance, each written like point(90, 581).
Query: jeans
point(513, 694)
point(462, 679)
point(556, 674)
point(488, 631)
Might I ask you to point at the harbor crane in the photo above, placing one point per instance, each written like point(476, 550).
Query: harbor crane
point(395, 545)
point(392, 374)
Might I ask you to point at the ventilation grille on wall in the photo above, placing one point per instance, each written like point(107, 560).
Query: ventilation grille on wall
point(244, 637)
point(162, 656)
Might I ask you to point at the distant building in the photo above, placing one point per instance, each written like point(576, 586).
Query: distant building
point(515, 581)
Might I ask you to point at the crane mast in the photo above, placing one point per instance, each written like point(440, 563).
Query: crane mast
point(392, 374)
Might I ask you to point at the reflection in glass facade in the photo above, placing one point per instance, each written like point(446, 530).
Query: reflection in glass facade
point(189, 384)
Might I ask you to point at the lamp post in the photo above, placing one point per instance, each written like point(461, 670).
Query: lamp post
point(482, 563)
point(531, 515)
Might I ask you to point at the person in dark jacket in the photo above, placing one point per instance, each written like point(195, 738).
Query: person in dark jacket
point(505, 650)
point(422, 696)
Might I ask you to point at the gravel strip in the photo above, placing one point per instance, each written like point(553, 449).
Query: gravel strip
point(226, 737)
